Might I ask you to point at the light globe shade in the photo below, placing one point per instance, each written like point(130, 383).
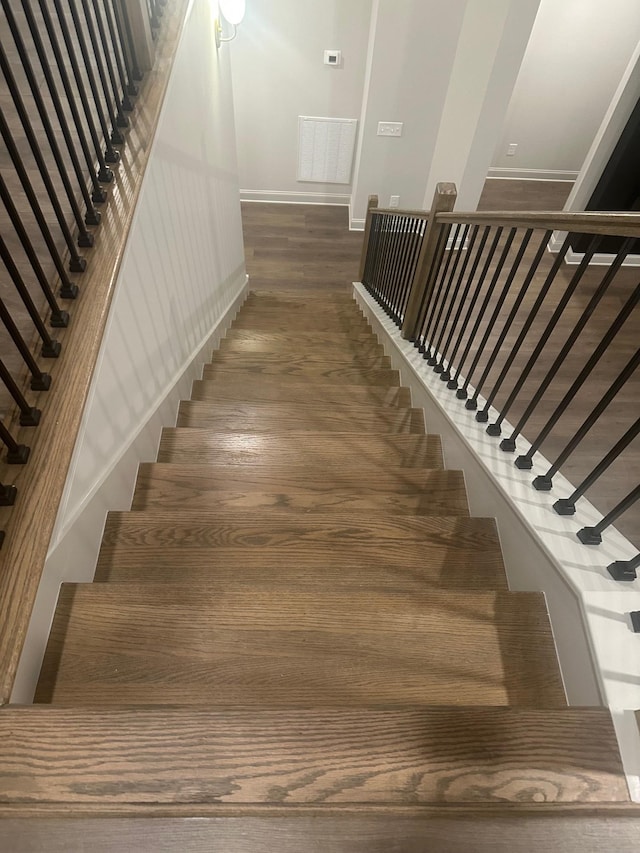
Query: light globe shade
point(233, 11)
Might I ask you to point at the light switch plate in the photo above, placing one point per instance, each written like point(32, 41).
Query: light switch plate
point(389, 128)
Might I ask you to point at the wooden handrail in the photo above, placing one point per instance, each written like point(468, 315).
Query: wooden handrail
point(372, 204)
point(415, 214)
point(611, 224)
point(30, 523)
point(443, 202)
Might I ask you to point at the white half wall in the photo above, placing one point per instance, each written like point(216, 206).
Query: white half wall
point(279, 74)
point(575, 59)
point(181, 279)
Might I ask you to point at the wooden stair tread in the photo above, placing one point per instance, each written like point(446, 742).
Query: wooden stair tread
point(342, 374)
point(274, 417)
point(172, 643)
point(420, 756)
point(164, 481)
point(304, 450)
point(274, 321)
point(299, 361)
point(254, 389)
point(324, 551)
point(334, 342)
point(163, 487)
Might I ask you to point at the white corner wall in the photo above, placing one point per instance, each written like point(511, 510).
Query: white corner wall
point(279, 74)
point(181, 279)
point(576, 57)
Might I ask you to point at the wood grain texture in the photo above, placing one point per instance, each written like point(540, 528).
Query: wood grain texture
point(41, 483)
point(504, 829)
point(164, 484)
point(292, 451)
point(616, 224)
point(362, 756)
point(255, 390)
point(300, 362)
point(246, 340)
point(165, 487)
point(283, 417)
point(335, 374)
point(324, 552)
point(177, 644)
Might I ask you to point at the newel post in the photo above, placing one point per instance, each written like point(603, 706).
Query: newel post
point(443, 201)
point(371, 205)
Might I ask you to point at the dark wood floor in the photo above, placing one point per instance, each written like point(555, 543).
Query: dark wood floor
point(305, 247)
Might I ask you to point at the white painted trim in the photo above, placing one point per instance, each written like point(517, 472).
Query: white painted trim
point(600, 259)
point(540, 548)
point(73, 558)
point(498, 172)
point(277, 197)
point(357, 224)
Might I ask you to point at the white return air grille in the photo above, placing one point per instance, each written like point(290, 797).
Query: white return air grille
point(325, 149)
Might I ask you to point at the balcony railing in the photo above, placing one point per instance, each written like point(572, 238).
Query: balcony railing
point(513, 329)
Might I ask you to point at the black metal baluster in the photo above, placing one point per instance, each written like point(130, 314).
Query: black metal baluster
point(128, 39)
point(624, 570)
point(50, 348)
point(483, 415)
point(466, 250)
point(17, 454)
point(509, 444)
point(77, 263)
point(430, 294)
point(29, 415)
point(98, 195)
point(471, 404)
point(120, 98)
point(67, 289)
point(390, 256)
point(483, 306)
point(92, 217)
point(85, 238)
point(403, 222)
point(438, 330)
point(115, 137)
point(382, 265)
point(524, 287)
point(371, 253)
point(105, 175)
point(593, 535)
point(567, 506)
point(406, 267)
point(544, 482)
point(39, 381)
point(128, 88)
point(393, 265)
point(416, 238)
point(374, 261)
point(8, 495)
point(476, 294)
point(116, 116)
point(450, 301)
point(496, 428)
point(525, 462)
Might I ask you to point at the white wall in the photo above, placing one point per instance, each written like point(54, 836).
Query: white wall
point(576, 56)
point(181, 277)
point(279, 74)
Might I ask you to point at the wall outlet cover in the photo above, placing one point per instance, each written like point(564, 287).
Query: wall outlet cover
point(333, 57)
point(390, 128)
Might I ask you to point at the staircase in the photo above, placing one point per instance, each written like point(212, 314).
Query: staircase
point(299, 635)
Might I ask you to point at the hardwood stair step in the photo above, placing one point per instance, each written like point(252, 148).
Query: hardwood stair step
point(255, 390)
point(278, 321)
point(300, 361)
point(380, 757)
point(163, 486)
point(314, 452)
point(163, 643)
point(281, 374)
point(284, 297)
point(191, 485)
point(333, 342)
point(283, 417)
point(325, 551)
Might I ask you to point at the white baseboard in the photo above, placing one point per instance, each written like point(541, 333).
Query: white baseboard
point(600, 259)
point(73, 558)
point(532, 174)
point(275, 197)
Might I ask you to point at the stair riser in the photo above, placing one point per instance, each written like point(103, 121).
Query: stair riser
point(255, 390)
point(227, 374)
